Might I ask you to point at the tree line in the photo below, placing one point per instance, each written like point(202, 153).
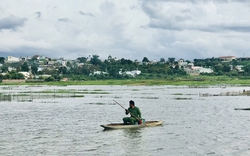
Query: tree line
point(83, 68)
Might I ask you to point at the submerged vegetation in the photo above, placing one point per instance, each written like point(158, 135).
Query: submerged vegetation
point(29, 96)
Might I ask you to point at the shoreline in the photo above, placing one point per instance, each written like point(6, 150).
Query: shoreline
point(148, 82)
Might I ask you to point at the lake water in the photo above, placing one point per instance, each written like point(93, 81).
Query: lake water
point(193, 125)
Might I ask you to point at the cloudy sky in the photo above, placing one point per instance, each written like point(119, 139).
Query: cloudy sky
point(130, 29)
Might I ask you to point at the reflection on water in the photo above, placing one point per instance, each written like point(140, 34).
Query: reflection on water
point(71, 126)
point(132, 133)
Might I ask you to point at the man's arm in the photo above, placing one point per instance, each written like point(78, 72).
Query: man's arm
point(126, 111)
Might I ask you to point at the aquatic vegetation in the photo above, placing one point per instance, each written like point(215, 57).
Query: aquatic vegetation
point(77, 96)
point(21, 94)
point(95, 92)
point(135, 89)
point(26, 94)
point(177, 94)
point(28, 100)
point(49, 102)
point(231, 93)
point(150, 97)
point(98, 103)
point(4, 97)
point(183, 98)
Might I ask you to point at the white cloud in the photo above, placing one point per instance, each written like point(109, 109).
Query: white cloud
point(128, 29)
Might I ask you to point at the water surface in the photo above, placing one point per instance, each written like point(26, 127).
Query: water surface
point(193, 125)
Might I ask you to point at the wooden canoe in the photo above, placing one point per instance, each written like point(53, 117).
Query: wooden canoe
point(122, 126)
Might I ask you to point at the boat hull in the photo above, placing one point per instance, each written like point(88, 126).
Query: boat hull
point(122, 126)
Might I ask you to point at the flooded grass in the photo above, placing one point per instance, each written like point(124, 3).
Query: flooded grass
point(182, 94)
point(98, 90)
point(135, 89)
point(97, 103)
point(49, 102)
point(27, 95)
point(150, 97)
point(183, 98)
point(22, 94)
point(93, 92)
point(75, 96)
point(28, 100)
point(64, 91)
point(5, 97)
point(177, 94)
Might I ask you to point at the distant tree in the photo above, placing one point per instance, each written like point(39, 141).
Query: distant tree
point(218, 67)
point(95, 60)
point(246, 68)
point(14, 75)
point(226, 68)
point(25, 67)
point(162, 60)
point(85, 70)
point(34, 58)
point(110, 58)
point(82, 59)
point(171, 60)
point(57, 77)
point(235, 62)
point(176, 67)
point(7, 76)
point(16, 65)
point(126, 61)
point(49, 79)
point(4, 68)
point(17, 76)
point(62, 70)
point(69, 64)
point(34, 69)
point(2, 59)
point(145, 60)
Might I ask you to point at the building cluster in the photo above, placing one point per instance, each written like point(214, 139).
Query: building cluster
point(196, 70)
point(45, 63)
point(193, 70)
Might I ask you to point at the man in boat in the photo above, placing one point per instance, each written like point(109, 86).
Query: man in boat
point(134, 112)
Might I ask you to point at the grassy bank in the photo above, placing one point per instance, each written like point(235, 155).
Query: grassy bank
point(190, 81)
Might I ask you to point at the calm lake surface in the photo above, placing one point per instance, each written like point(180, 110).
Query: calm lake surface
point(193, 125)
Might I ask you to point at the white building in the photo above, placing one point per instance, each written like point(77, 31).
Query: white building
point(98, 73)
point(227, 58)
point(192, 72)
point(12, 59)
point(196, 70)
point(25, 74)
point(239, 68)
point(182, 63)
point(132, 73)
point(205, 70)
point(11, 69)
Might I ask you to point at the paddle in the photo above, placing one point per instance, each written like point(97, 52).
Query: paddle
point(129, 112)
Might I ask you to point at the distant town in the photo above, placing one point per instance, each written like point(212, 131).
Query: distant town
point(42, 68)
